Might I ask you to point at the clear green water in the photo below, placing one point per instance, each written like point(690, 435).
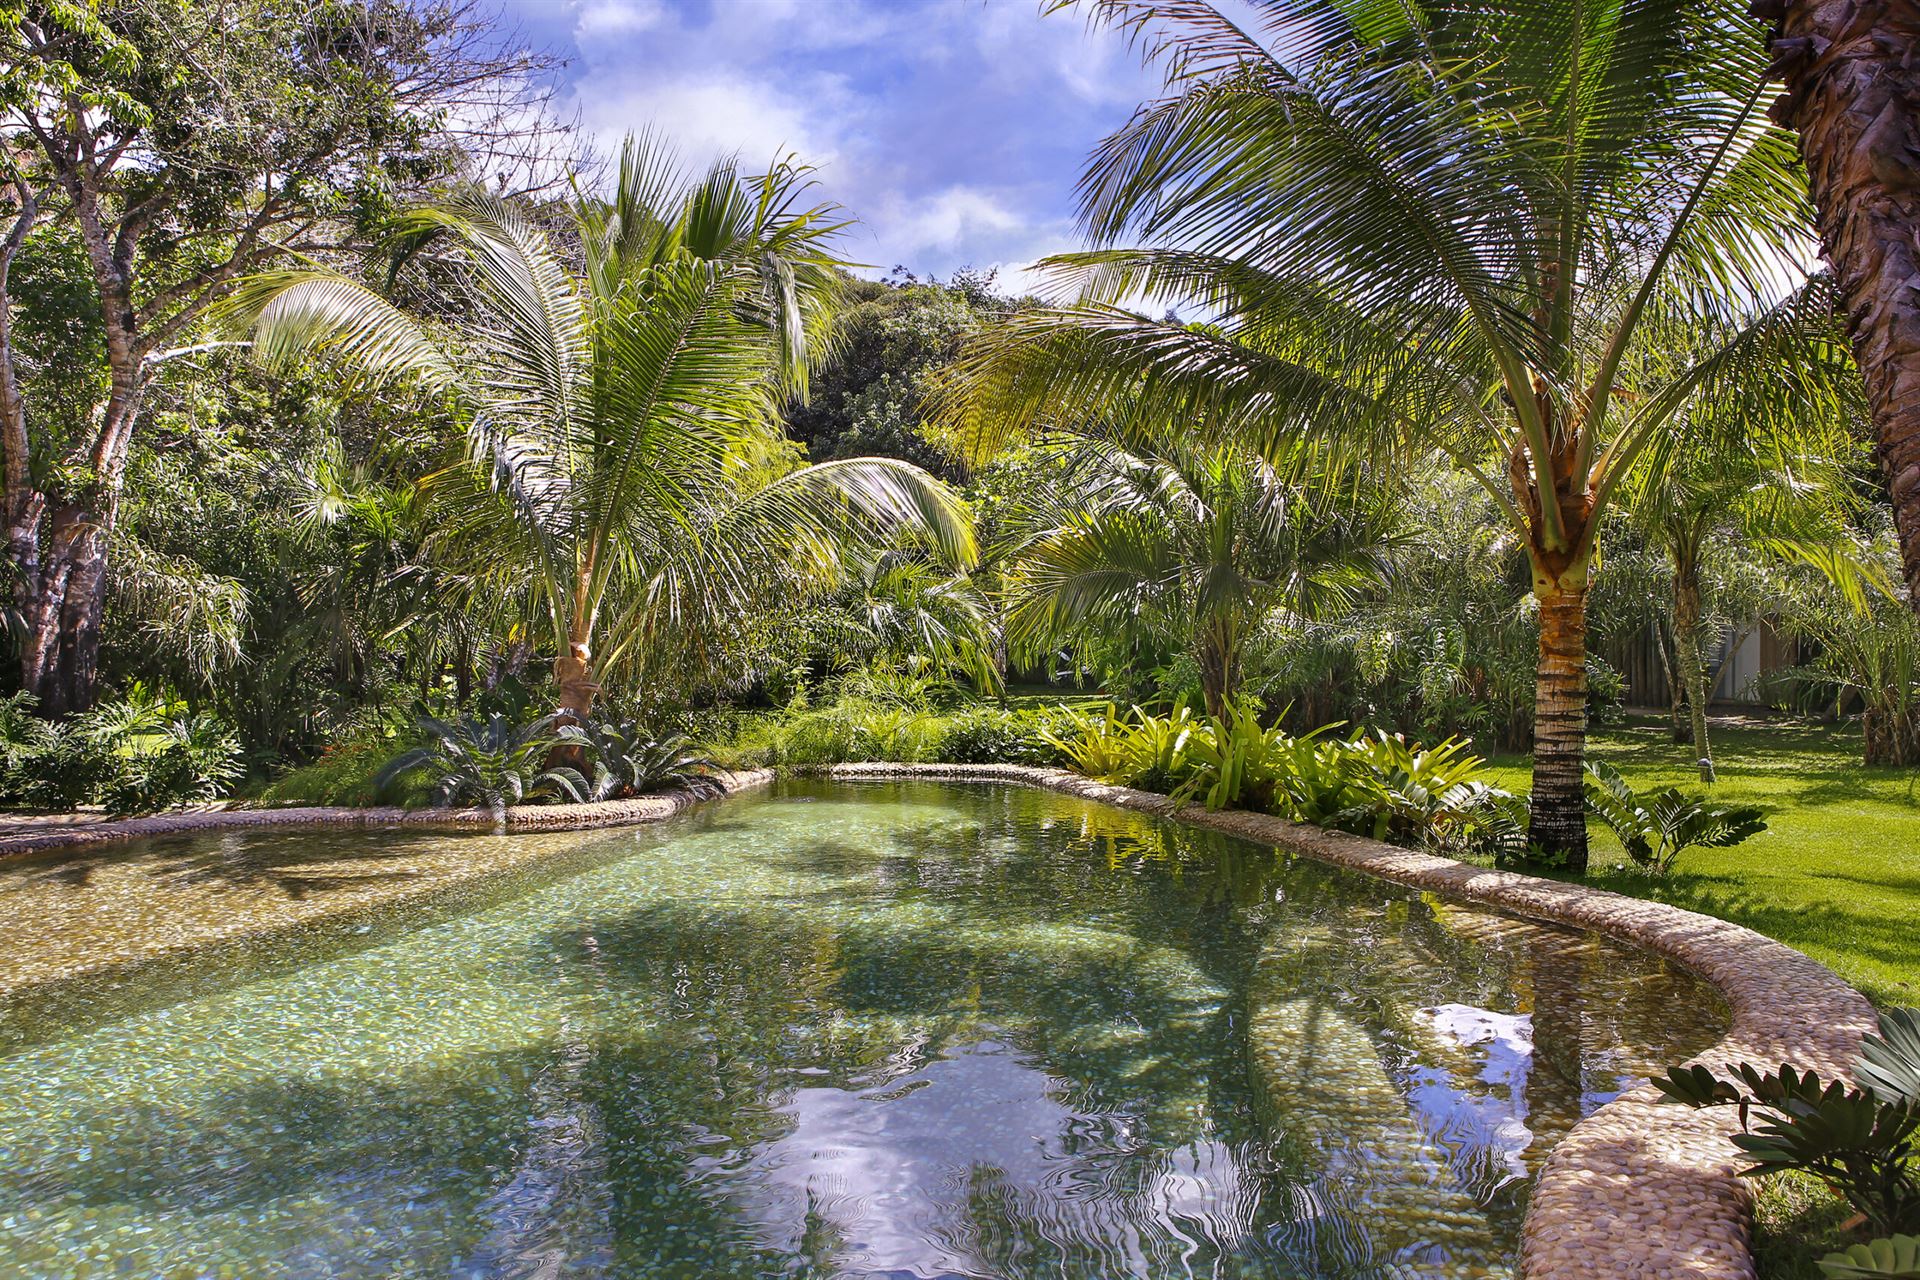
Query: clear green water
point(844, 1030)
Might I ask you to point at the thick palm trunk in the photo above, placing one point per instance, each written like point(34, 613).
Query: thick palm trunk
point(1559, 824)
point(573, 672)
point(1852, 73)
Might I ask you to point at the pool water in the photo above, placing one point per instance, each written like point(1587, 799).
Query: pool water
point(843, 1030)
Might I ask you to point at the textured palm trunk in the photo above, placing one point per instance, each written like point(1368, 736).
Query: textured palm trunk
point(1852, 71)
point(573, 672)
point(1218, 656)
point(1559, 824)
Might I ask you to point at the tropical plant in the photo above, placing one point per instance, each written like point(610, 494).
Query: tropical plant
point(1861, 1141)
point(624, 479)
point(1787, 494)
point(901, 610)
point(1200, 542)
point(190, 760)
point(1441, 231)
point(489, 762)
point(622, 759)
point(135, 754)
point(1863, 656)
point(1656, 829)
point(1892, 1258)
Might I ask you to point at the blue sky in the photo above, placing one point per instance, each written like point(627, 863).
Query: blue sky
point(953, 129)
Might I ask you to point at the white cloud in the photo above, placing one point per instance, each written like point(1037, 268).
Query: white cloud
point(947, 219)
point(600, 19)
point(705, 116)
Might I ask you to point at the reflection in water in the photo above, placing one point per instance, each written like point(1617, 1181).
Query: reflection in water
point(850, 1031)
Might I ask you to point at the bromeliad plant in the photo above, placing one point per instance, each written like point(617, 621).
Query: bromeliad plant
point(1376, 785)
point(1656, 829)
point(1860, 1140)
point(491, 763)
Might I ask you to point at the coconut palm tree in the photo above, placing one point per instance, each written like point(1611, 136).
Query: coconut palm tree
point(1434, 228)
point(1853, 94)
point(1200, 541)
point(623, 469)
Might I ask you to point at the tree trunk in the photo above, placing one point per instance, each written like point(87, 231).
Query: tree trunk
point(1890, 736)
point(573, 672)
point(1559, 824)
point(61, 593)
point(1693, 668)
point(1852, 72)
point(1218, 657)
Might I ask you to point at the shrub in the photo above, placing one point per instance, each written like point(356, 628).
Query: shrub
point(347, 773)
point(1656, 829)
point(1377, 785)
point(491, 763)
point(195, 760)
point(1859, 1141)
point(134, 756)
point(984, 737)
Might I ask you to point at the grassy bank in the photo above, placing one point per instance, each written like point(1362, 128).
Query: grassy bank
point(1836, 874)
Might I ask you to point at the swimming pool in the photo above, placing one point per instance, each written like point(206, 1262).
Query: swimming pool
point(837, 1029)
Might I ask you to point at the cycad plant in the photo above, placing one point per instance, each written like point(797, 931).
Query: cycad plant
point(1201, 542)
point(623, 473)
point(490, 762)
point(1437, 231)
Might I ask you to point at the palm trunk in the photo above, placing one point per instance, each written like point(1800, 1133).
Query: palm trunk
point(1559, 823)
point(573, 672)
point(1218, 656)
point(1693, 668)
point(1853, 93)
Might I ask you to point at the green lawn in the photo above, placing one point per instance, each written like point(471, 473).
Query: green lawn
point(1837, 874)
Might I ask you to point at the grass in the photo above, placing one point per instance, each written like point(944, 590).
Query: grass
point(1837, 872)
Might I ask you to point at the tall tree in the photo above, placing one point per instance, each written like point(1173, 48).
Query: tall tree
point(1852, 74)
point(621, 432)
point(177, 146)
point(1437, 226)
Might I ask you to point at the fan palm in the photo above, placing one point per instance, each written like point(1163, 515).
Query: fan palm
point(1427, 227)
point(1197, 540)
point(623, 465)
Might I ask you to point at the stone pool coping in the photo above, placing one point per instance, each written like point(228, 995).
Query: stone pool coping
point(1637, 1190)
point(525, 817)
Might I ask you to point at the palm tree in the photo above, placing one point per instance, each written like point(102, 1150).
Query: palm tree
point(1201, 541)
point(1435, 228)
point(1789, 501)
point(623, 469)
point(1853, 93)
